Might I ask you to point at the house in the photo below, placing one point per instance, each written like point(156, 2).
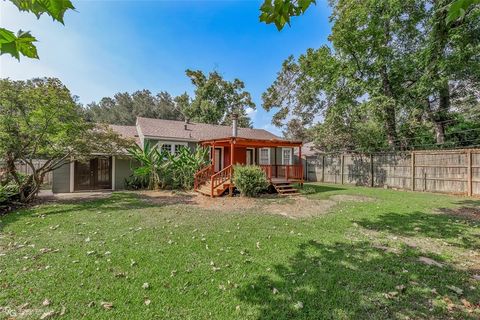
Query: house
point(228, 144)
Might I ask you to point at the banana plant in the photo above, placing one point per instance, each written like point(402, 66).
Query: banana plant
point(151, 162)
point(184, 164)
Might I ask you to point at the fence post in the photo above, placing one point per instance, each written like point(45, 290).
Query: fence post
point(372, 184)
point(342, 161)
point(412, 168)
point(469, 173)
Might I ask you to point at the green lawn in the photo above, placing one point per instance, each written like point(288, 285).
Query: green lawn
point(359, 261)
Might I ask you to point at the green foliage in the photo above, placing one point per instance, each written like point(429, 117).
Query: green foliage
point(134, 182)
point(183, 165)
point(458, 9)
point(124, 108)
point(152, 161)
point(39, 119)
point(216, 99)
point(22, 42)
point(397, 77)
point(280, 12)
point(250, 180)
point(10, 192)
point(163, 170)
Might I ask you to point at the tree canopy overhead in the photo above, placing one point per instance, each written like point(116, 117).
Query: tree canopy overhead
point(397, 76)
point(280, 12)
point(214, 100)
point(124, 108)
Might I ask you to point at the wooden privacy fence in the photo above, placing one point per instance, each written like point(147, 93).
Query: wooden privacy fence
point(25, 169)
point(444, 171)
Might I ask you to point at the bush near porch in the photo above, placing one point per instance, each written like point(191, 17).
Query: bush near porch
point(249, 180)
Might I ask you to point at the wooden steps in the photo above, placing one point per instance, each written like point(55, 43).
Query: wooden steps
point(285, 188)
point(206, 189)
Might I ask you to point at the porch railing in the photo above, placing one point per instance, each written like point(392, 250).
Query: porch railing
point(203, 176)
point(288, 172)
point(221, 177)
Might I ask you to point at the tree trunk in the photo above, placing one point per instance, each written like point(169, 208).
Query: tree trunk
point(440, 40)
point(389, 110)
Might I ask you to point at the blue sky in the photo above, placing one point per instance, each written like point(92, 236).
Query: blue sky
point(114, 46)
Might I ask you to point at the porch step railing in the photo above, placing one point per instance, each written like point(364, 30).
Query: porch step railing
point(202, 176)
point(220, 178)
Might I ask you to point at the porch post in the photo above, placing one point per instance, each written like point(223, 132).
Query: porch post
point(212, 155)
point(301, 162)
point(232, 157)
point(72, 175)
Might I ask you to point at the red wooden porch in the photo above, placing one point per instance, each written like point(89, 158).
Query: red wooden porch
point(275, 157)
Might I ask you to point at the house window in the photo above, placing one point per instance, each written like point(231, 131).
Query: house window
point(264, 156)
point(178, 148)
point(166, 147)
point(287, 156)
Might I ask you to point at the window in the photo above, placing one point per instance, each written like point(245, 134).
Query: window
point(264, 156)
point(286, 156)
point(166, 147)
point(178, 148)
point(171, 146)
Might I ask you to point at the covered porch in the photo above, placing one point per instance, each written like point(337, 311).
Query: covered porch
point(275, 157)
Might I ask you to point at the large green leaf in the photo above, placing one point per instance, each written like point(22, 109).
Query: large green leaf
point(54, 8)
point(279, 12)
point(459, 8)
point(22, 43)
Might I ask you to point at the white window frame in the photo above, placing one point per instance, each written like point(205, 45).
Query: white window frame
point(283, 156)
point(178, 145)
point(174, 145)
point(160, 146)
point(260, 156)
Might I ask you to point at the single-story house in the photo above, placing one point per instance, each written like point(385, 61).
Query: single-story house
point(228, 145)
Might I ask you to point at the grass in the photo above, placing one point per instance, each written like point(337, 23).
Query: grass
point(358, 261)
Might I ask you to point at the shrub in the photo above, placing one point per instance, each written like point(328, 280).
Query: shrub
point(249, 180)
point(134, 182)
point(161, 169)
point(183, 165)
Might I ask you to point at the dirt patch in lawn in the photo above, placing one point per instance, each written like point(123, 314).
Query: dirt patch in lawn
point(465, 212)
point(292, 207)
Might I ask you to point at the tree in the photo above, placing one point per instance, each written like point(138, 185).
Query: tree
point(124, 108)
point(280, 12)
point(39, 119)
point(396, 72)
point(215, 99)
point(22, 43)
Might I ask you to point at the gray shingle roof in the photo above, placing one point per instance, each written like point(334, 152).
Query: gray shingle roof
point(128, 132)
point(196, 131)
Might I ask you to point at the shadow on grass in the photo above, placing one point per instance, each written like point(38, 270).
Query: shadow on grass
point(469, 209)
point(315, 188)
point(357, 281)
point(116, 202)
point(441, 225)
